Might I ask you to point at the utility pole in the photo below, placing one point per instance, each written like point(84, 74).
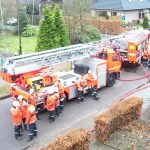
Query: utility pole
point(19, 33)
point(33, 12)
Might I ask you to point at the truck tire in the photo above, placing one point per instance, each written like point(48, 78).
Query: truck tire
point(111, 80)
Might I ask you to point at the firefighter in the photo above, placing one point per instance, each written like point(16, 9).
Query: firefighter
point(81, 84)
point(91, 84)
point(16, 118)
point(50, 105)
point(31, 121)
point(23, 108)
point(57, 101)
point(33, 99)
point(61, 90)
point(145, 58)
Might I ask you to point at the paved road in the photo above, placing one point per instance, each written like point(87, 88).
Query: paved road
point(73, 116)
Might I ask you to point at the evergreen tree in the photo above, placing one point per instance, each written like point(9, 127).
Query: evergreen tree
point(47, 38)
point(61, 29)
point(145, 23)
point(23, 20)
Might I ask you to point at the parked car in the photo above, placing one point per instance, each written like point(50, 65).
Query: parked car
point(11, 21)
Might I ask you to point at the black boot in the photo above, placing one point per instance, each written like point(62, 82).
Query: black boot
point(18, 138)
point(96, 97)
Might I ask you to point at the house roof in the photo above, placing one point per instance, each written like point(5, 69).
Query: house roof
point(121, 4)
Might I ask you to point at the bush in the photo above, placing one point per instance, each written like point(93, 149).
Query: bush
point(107, 17)
point(145, 23)
point(30, 31)
point(87, 34)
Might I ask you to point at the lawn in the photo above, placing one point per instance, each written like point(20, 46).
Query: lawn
point(11, 43)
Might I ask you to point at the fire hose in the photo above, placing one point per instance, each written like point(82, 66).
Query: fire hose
point(147, 75)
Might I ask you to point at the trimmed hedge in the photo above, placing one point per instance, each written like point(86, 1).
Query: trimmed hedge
point(119, 115)
point(73, 140)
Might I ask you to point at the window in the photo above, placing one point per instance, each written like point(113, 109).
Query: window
point(130, 1)
point(141, 14)
point(141, 1)
point(113, 13)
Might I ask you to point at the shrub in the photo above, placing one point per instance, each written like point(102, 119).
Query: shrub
point(145, 23)
point(30, 31)
point(87, 34)
point(107, 17)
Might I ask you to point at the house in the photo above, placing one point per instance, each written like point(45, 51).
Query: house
point(128, 10)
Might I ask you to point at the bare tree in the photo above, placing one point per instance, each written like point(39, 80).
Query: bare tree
point(75, 12)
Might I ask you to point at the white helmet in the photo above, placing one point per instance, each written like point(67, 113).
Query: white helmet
point(31, 91)
point(20, 98)
point(89, 71)
point(16, 104)
point(50, 91)
point(55, 89)
point(31, 108)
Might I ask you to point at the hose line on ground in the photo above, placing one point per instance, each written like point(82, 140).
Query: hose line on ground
point(147, 75)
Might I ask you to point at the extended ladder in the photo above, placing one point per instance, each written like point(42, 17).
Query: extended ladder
point(31, 62)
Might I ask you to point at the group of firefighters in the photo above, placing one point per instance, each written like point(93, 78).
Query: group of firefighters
point(24, 112)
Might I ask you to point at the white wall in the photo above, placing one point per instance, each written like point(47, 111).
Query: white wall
point(131, 15)
point(93, 13)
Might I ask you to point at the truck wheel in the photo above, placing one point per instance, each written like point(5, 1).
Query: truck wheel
point(111, 80)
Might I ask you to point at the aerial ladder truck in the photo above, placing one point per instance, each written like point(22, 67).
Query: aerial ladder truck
point(130, 44)
point(25, 70)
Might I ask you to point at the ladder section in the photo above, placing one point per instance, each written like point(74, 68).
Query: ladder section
point(31, 56)
point(48, 59)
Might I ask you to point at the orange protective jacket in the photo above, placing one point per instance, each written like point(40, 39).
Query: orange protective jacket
point(81, 84)
point(57, 101)
point(32, 99)
point(16, 116)
point(23, 109)
point(90, 80)
point(61, 89)
point(30, 116)
point(50, 103)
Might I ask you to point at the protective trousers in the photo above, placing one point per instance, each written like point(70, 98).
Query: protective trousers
point(24, 124)
point(17, 131)
point(57, 110)
point(62, 103)
point(52, 115)
point(32, 130)
point(80, 96)
point(93, 92)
